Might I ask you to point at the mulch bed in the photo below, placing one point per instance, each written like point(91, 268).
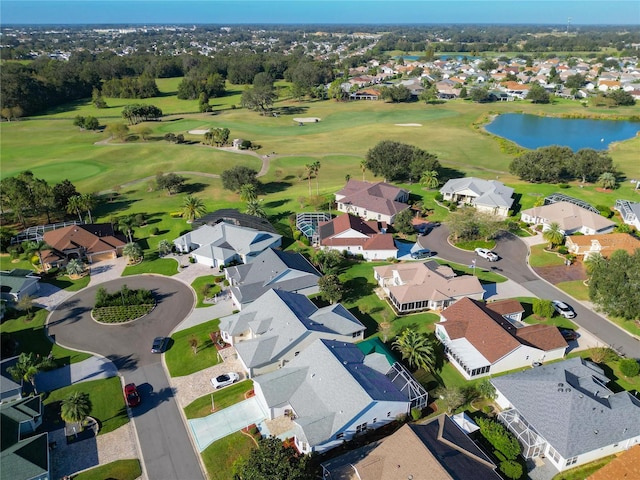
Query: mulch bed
point(562, 273)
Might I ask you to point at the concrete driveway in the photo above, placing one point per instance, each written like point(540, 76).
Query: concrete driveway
point(94, 368)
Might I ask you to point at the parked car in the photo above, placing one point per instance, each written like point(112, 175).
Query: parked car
point(424, 253)
point(224, 380)
point(159, 344)
point(131, 394)
point(488, 254)
point(569, 334)
point(563, 309)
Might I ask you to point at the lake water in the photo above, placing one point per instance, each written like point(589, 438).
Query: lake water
point(532, 131)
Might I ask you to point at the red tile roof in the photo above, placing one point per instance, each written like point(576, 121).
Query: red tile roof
point(92, 238)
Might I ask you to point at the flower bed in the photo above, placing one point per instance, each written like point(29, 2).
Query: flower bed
point(121, 314)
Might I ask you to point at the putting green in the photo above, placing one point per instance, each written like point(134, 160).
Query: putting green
point(73, 171)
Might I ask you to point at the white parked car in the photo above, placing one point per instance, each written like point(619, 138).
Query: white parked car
point(486, 253)
point(224, 380)
point(563, 309)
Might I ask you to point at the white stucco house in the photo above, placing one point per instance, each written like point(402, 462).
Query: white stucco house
point(372, 201)
point(570, 217)
point(564, 413)
point(488, 196)
point(483, 339)
point(276, 327)
point(354, 236)
point(332, 392)
point(223, 243)
point(630, 212)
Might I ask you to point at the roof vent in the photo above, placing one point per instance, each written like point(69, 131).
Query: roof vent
point(560, 390)
point(595, 431)
point(561, 384)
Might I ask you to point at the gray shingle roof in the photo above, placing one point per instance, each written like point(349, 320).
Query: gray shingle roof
point(327, 385)
point(488, 192)
point(568, 404)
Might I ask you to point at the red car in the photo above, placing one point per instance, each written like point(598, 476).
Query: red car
point(131, 394)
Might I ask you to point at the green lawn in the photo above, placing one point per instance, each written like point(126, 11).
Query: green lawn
point(69, 284)
point(118, 470)
point(153, 264)
point(584, 471)
point(220, 457)
point(530, 318)
point(106, 399)
point(201, 407)
point(180, 357)
point(485, 276)
point(30, 336)
point(540, 258)
point(200, 282)
point(471, 245)
point(576, 288)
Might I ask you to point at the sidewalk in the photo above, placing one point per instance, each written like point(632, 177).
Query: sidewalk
point(94, 368)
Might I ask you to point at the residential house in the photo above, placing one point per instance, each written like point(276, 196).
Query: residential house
point(278, 325)
point(416, 286)
point(17, 283)
point(333, 392)
point(624, 466)
point(448, 89)
point(570, 217)
point(23, 456)
point(365, 94)
point(234, 217)
point(372, 201)
point(606, 85)
point(355, 236)
point(490, 196)
point(629, 211)
point(288, 271)
point(483, 339)
point(564, 412)
point(9, 389)
point(436, 450)
point(605, 245)
point(225, 243)
point(93, 242)
point(516, 89)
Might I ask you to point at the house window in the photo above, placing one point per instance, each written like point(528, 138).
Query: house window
point(388, 414)
point(364, 214)
point(339, 435)
point(553, 454)
point(361, 428)
point(379, 217)
point(375, 420)
point(296, 354)
point(571, 461)
point(355, 334)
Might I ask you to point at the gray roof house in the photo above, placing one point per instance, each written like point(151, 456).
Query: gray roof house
point(276, 327)
point(569, 216)
point(9, 388)
point(17, 283)
point(223, 243)
point(23, 457)
point(271, 269)
point(331, 392)
point(488, 196)
point(629, 211)
point(564, 412)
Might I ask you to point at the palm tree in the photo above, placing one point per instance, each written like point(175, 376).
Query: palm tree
point(88, 201)
point(452, 397)
point(310, 169)
point(75, 267)
point(28, 366)
point(126, 224)
point(133, 251)
point(607, 180)
point(363, 167)
point(593, 262)
point(553, 235)
point(248, 192)
point(25, 303)
point(254, 207)
point(192, 208)
point(75, 407)
point(430, 179)
point(74, 205)
point(164, 247)
point(36, 247)
point(417, 349)
point(316, 168)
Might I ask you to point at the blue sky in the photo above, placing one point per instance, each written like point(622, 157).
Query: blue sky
point(582, 12)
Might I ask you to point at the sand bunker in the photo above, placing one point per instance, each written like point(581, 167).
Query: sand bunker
point(306, 120)
point(198, 132)
point(408, 124)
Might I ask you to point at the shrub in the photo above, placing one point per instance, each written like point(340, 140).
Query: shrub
point(543, 308)
point(296, 235)
point(154, 231)
point(562, 250)
point(140, 219)
point(500, 438)
point(14, 251)
point(605, 210)
point(192, 260)
point(175, 214)
point(305, 241)
point(563, 185)
point(416, 414)
point(511, 469)
point(439, 197)
point(629, 367)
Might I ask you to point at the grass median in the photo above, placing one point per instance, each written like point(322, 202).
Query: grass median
point(183, 358)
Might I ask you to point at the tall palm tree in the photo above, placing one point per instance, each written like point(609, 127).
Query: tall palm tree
point(36, 247)
point(126, 224)
point(192, 208)
point(28, 366)
point(417, 349)
point(430, 179)
point(88, 201)
point(553, 235)
point(75, 267)
point(133, 251)
point(75, 205)
point(363, 167)
point(593, 262)
point(248, 192)
point(254, 207)
point(607, 180)
point(25, 303)
point(316, 169)
point(310, 169)
point(75, 407)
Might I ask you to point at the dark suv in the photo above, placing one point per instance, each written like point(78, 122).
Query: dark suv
point(159, 344)
point(424, 253)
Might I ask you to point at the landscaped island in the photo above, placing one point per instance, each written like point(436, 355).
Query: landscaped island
point(122, 306)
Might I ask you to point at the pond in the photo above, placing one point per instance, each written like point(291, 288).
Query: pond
point(532, 131)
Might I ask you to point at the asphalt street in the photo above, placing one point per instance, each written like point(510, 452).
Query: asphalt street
point(166, 448)
point(513, 264)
